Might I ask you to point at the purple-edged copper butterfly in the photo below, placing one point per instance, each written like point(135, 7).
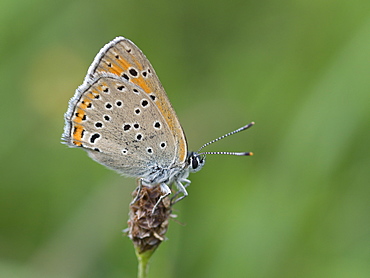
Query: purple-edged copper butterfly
point(122, 117)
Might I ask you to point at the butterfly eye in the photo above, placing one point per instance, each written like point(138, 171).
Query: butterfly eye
point(194, 163)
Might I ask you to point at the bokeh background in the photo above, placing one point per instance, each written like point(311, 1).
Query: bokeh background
point(298, 208)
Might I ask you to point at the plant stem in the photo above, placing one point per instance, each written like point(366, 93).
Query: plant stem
point(143, 263)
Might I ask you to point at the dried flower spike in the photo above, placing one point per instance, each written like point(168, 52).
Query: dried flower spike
point(147, 227)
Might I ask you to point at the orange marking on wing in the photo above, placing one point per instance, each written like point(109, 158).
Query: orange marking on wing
point(78, 120)
point(79, 115)
point(140, 81)
point(83, 104)
point(170, 117)
point(93, 93)
point(77, 132)
point(123, 63)
point(103, 84)
point(115, 69)
point(77, 143)
point(113, 65)
point(182, 150)
point(87, 103)
point(80, 112)
point(90, 95)
point(108, 65)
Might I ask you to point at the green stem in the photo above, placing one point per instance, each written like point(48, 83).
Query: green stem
point(143, 260)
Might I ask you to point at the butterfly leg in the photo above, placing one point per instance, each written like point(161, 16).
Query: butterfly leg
point(181, 189)
point(166, 190)
point(138, 188)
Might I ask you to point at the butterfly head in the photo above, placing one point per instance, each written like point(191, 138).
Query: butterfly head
point(195, 161)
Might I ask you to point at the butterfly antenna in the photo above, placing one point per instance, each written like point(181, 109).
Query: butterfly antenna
point(229, 153)
point(226, 135)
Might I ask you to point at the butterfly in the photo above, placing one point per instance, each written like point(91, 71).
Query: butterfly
point(123, 118)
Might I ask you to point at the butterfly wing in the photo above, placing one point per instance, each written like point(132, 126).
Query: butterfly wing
point(123, 58)
point(122, 116)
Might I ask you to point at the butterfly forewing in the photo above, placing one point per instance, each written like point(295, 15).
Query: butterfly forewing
point(123, 58)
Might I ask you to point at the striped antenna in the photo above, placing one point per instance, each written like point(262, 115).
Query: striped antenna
point(226, 135)
point(229, 153)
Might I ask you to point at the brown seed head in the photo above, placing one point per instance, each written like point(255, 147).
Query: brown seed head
point(147, 228)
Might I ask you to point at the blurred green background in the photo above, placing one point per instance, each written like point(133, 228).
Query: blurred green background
point(298, 208)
